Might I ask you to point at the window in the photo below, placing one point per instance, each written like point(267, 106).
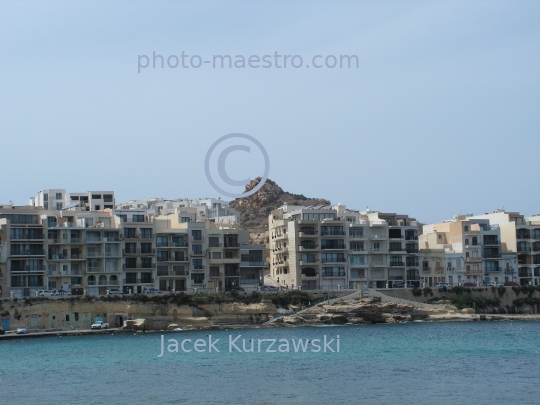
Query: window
point(58, 196)
point(185, 219)
point(376, 246)
point(466, 228)
point(318, 217)
point(131, 278)
point(213, 241)
point(216, 255)
point(197, 264)
point(333, 271)
point(146, 262)
point(197, 249)
point(197, 278)
point(307, 230)
point(162, 255)
point(308, 244)
point(162, 241)
point(308, 258)
point(196, 235)
point(332, 230)
point(130, 248)
point(332, 257)
point(214, 271)
point(138, 218)
point(96, 196)
point(162, 270)
point(332, 244)
point(357, 246)
point(130, 233)
point(475, 240)
point(146, 233)
point(146, 247)
point(357, 259)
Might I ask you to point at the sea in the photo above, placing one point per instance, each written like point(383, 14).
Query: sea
point(413, 363)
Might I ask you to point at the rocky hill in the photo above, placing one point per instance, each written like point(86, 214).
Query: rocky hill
point(254, 210)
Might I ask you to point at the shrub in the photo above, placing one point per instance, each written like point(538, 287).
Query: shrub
point(417, 292)
point(473, 300)
point(501, 290)
point(526, 301)
point(427, 291)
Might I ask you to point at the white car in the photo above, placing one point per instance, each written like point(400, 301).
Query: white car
point(492, 284)
point(115, 291)
point(21, 330)
point(45, 293)
point(61, 293)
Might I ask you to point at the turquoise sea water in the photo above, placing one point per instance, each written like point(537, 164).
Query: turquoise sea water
point(415, 363)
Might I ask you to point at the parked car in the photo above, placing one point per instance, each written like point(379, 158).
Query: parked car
point(62, 293)
point(99, 325)
point(469, 285)
point(115, 291)
point(21, 330)
point(236, 288)
point(440, 285)
point(511, 284)
point(410, 285)
point(269, 288)
point(398, 285)
point(45, 293)
point(152, 291)
point(492, 284)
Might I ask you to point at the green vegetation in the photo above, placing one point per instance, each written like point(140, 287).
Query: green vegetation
point(473, 300)
point(279, 299)
point(501, 290)
point(417, 292)
point(519, 302)
point(427, 291)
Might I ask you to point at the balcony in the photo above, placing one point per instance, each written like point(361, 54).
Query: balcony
point(254, 264)
point(313, 234)
point(492, 269)
point(426, 270)
point(332, 233)
point(215, 274)
point(336, 260)
point(397, 264)
point(197, 239)
point(138, 281)
point(304, 249)
point(95, 269)
point(281, 263)
point(93, 239)
point(35, 252)
point(199, 253)
point(523, 249)
point(439, 270)
point(215, 245)
point(138, 251)
point(473, 259)
point(336, 273)
point(138, 266)
point(27, 268)
point(197, 267)
point(223, 260)
point(412, 251)
point(67, 257)
point(308, 263)
point(28, 237)
point(473, 272)
point(311, 276)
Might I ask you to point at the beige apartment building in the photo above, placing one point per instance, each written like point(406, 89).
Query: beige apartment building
point(206, 256)
point(472, 252)
point(335, 248)
point(90, 252)
point(520, 236)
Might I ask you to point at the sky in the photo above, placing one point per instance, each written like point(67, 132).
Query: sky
point(440, 116)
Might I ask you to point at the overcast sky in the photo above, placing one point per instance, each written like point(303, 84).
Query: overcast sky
point(441, 116)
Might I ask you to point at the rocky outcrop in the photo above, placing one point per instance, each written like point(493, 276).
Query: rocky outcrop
point(355, 311)
point(254, 210)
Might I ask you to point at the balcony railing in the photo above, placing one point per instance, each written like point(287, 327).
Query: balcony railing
point(28, 268)
point(397, 264)
point(139, 281)
point(197, 266)
point(254, 264)
point(473, 272)
point(36, 252)
point(333, 233)
point(214, 274)
point(473, 259)
point(333, 273)
point(334, 260)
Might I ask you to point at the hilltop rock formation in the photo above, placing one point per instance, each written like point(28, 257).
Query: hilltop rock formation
point(254, 210)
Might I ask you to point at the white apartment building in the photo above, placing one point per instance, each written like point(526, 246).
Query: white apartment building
point(210, 209)
point(59, 199)
point(333, 248)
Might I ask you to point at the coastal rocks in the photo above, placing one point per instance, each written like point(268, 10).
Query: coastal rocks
point(293, 320)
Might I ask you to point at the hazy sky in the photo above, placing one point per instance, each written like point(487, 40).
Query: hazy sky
point(441, 117)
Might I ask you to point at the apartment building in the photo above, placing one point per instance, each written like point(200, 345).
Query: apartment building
point(22, 253)
point(204, 209)
point(333, 248)
point(59, 199)
point(83, 251)
point(206, 256)
point(472, 248)
point(520, 236)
